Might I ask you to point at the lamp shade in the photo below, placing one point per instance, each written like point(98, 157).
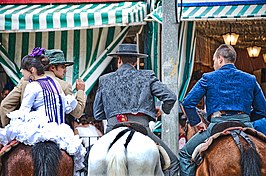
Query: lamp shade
point(264, 58)
point(254, 51)
point(230, 38)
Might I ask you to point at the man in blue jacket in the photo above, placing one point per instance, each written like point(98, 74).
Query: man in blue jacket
point(128, 95)
point(230, 94)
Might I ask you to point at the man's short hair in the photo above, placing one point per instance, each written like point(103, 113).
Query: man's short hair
point(227, 52)
point(129, 59)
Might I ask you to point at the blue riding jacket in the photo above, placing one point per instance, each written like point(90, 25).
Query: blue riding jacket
point(226, 89)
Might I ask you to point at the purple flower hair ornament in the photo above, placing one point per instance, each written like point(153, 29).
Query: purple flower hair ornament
point(36, 52)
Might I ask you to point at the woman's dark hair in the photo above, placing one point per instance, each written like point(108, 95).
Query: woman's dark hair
point(39, 62)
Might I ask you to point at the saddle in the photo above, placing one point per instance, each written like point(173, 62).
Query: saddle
point(133, 125)
point(165, 159)
point(220, 127)
point(226, 128)
point(7, 148)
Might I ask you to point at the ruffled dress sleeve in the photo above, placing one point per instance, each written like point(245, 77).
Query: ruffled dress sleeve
point(70, 103)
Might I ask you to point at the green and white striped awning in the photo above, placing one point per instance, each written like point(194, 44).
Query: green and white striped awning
point(214, 12)
point(28, 18)
point(87, 48)
point(223, 12)
point(155, 15)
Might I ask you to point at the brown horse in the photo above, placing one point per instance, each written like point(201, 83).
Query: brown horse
point(223, 157)
point(42, 159)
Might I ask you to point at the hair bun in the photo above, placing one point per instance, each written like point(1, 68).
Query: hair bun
point(45, 62)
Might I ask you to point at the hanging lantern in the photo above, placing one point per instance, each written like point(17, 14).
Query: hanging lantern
point(254, 51)
point(264, 58)
point(230, 38)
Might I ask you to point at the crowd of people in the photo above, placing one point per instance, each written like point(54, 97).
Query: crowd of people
point(125, 95)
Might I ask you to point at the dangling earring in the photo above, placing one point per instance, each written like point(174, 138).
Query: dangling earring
point(31, 78)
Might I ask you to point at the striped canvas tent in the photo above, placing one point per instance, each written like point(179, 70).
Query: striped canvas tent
point(195, 10)
point(11, 68)
point(68, 16)
point(223, 12)
point(213, 12)
point(86, 33)
point(155, 15)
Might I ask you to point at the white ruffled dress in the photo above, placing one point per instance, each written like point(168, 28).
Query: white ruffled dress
point(32, 126)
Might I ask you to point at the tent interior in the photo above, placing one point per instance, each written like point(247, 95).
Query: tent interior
point(209, 35)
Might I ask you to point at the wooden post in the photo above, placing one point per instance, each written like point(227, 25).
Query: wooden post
point(169, 71)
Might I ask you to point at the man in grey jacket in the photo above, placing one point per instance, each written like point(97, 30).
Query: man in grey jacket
point(128, 95)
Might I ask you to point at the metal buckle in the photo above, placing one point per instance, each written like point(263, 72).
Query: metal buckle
point(216, 114)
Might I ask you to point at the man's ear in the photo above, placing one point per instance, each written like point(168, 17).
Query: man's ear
point(119, 60)
point(135, 63)
point(220, 60)
point(51, 68)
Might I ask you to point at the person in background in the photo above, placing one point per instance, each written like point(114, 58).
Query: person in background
point(6, 90)
point(231, 95)
point(55, 70)
point(260, 125)
point(87, 131)
point(128, 95)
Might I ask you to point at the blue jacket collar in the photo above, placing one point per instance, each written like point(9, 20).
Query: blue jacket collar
point(228, 66)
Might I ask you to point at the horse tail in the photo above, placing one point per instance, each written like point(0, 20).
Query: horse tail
point(117, 160)
point(249, 158)
point(250, 162)
point(116, 156)
point(46, 157)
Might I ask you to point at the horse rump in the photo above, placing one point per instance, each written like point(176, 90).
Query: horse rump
point(237, 154)
point(124, 152)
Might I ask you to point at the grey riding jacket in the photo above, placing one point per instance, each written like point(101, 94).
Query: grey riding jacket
point(131, 91)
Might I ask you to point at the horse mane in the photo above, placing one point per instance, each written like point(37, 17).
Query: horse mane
point(46, 157)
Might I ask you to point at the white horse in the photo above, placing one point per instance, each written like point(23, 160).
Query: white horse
point(140, 156)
